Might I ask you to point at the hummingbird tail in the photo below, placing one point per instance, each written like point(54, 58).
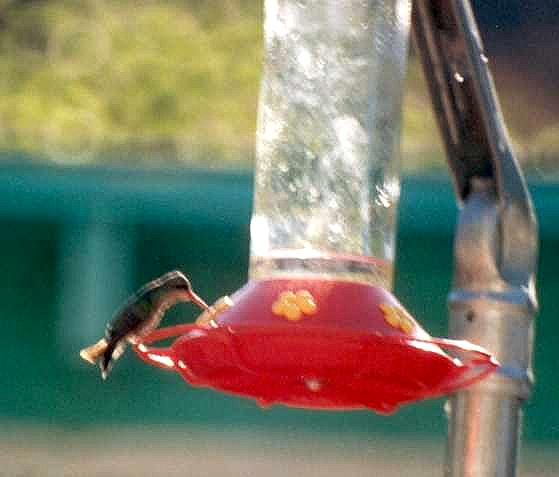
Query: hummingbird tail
point(94, 352)
point(112, 352)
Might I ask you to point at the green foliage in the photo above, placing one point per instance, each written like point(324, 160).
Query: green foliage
point(150, 80)
point(543, 151)
point(115, 78)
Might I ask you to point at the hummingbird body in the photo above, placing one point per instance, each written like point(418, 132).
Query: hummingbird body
point(140, 315)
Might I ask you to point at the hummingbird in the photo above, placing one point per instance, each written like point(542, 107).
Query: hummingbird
point(140, 315)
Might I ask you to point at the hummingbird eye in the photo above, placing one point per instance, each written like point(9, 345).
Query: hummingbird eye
point(181, 283)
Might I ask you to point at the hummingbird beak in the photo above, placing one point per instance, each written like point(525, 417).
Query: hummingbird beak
point(198, 301)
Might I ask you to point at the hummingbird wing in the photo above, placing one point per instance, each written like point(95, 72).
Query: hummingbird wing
point(127, 323)
point(111, 354)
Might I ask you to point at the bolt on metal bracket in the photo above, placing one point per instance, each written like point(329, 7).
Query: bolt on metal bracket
point(493, 300)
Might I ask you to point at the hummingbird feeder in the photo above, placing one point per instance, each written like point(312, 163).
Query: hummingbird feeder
point(316, 343)
point(317, 326)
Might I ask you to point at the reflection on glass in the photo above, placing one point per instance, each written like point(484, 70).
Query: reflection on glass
point(326, 186)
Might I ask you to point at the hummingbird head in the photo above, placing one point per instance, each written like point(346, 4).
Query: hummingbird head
point(177, 282)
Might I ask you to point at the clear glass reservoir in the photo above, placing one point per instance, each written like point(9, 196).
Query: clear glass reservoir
point(327, 182)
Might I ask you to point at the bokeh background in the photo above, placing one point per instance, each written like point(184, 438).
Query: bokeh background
point(126, 148)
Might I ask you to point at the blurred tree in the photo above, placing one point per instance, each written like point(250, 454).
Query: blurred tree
point(92, 79)
point(149, 80)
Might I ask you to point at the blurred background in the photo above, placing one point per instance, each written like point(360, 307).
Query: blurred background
point(126, 148)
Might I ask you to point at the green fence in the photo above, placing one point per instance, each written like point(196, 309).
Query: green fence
point(77, 241)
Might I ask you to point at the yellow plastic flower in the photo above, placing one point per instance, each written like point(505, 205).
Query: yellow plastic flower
point(208, 316)
point(294, 305)
point(397, 318)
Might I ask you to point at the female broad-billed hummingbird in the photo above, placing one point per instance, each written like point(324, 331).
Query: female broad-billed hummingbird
point(139, 316)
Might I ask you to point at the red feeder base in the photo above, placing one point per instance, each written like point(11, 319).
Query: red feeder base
point(320, 344)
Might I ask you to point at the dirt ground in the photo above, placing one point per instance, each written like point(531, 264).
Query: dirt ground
point(139, 452)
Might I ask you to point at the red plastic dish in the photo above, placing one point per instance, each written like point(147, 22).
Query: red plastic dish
point(321, 344)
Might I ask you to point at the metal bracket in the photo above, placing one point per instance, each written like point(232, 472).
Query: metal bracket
point(493, 299)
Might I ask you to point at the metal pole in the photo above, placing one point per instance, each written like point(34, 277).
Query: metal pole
point(493, 299)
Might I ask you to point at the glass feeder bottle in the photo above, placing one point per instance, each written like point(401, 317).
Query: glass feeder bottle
point(326, 175)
